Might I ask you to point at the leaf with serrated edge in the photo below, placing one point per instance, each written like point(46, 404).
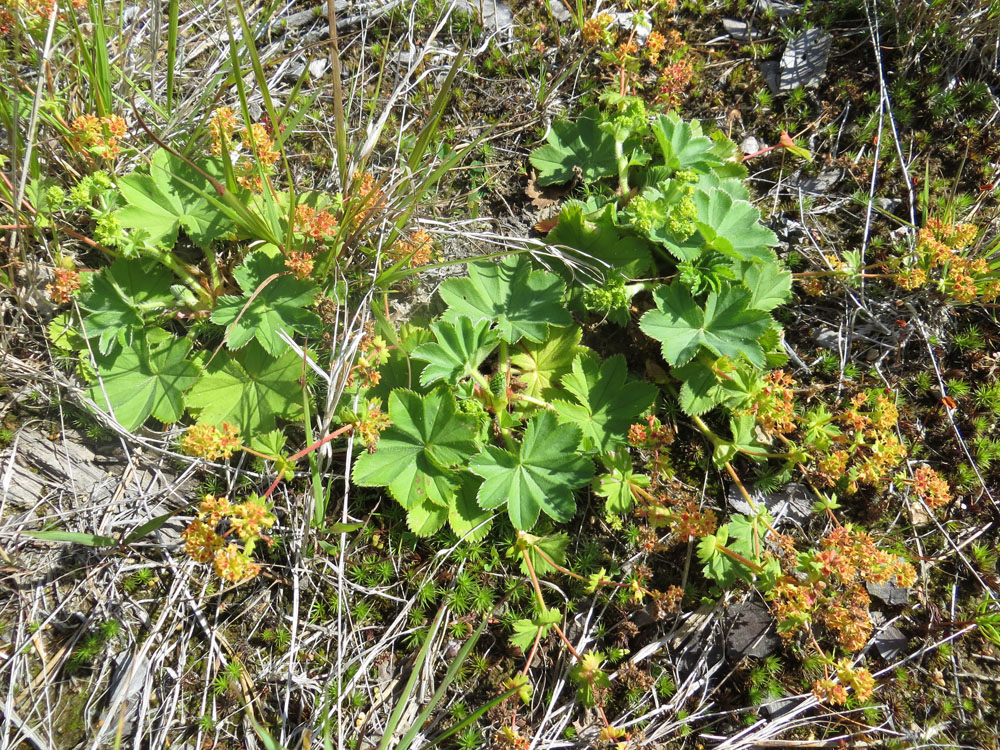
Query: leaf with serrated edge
point(270, 304)
point(251, 389)
point(552, 545)
point(122, 297)
point(541, 366)
point(580, 144)
point(428, 438)
point(458, 350)
point(173, 195)
point(465, 515)
point(519, 301)
point(682, 144)
point(606, 401)
point(143, 380)
point(540, 476)
point(616, 485)
point(769, 284)
point(596, 236)
point(424, 518)
point(725, 327)
point(732, 227)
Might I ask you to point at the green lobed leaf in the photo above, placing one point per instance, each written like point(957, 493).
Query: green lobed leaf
point(466, 518)
point(121, 298)
point(272, 301)
point(427, 439)
point(174, 195)
point(607, 401)
point(769, 284)
point(540, 366)
point(616, 485)
point(725, 326)
point(596, 235)
point(251, 389)
point(540, 549)
point(541, 475)
point(525, 632)
point(732, 226)
point(581, 144)
point(458, 350)
point(519, 301)
point(682, 144)
point(702, 389)
point(426, 517)
point(146, 379)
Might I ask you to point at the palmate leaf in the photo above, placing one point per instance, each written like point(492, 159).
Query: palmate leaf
point(702, 389)
point(769, 284)
point(251, 389)
point(466, 518)
point(682, 144)
point(171, 196)
point(146, 379)
point(121, 298)
point(458, 350)
point(273, 301)
point(725, 326)
point(417, 454)
point(541, 475)
point(616, 485)
point(540, 366)
point(520, 302)
point(597, 236)
point(732, 226)
point(580, 144)
point(606, 401)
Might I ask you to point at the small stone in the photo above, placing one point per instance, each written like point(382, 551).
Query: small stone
point(890, 641)
point(750, 145)
point(751, 631)
point(792, 502)
point(779, 8)
point(741, 31)
point(827, 338)
point(821, 184)
point(803, 62)
point(888, 593)
point(627, 21)
point(560, 12)
point(318, 67)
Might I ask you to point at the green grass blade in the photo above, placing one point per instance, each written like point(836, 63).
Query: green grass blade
point(73, 537)
point(447, 680)
point(173, 12)
point(411, 683)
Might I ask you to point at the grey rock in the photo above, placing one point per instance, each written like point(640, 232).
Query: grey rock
point(889, 593)
point(779, 8)
point(627, 21)
point(750, 631)
point(827, 338)
point(890, 642)
point(318, 67)
point(803, 62)
point(560, 12)
point(821, 184)
point(294, 71)
point(750, 145)
point(779, 706)
point(495, 15)
point(741, 31)
point(792, 502)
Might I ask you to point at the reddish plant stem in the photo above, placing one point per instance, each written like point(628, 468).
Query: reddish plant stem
point(305, 451)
